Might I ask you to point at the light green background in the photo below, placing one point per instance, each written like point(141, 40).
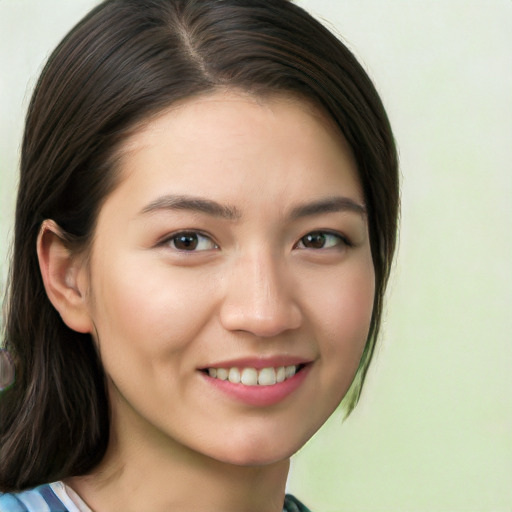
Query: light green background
point(434, 429)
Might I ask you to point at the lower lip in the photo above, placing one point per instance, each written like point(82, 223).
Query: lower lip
point(260, 396)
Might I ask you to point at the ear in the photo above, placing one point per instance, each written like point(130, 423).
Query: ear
point(64, 276)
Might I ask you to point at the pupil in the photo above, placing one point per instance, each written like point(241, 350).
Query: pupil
point(314, 240)
point(185, 242)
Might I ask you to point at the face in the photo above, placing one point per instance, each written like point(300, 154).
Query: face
point(230, 280)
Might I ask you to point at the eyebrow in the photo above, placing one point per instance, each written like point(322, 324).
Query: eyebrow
point(328, 205)
point(198, 204)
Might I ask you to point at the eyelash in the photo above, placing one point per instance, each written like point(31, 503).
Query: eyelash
point(341, 240)
point(200, 238)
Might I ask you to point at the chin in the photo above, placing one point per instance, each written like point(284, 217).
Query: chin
point(260, 452)
point(256, 460)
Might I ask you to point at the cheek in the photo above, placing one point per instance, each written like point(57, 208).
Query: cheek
point(349, 309)
point(345, 298)
point(146, 306)
point(340, 311)
point(343, 306)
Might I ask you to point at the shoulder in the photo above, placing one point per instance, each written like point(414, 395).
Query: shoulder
point(39, 499)
point(292, 504)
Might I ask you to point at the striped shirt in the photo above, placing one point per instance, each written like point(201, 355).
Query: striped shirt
point(57, 497)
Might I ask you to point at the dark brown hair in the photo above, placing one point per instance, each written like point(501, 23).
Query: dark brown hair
point(125, 61)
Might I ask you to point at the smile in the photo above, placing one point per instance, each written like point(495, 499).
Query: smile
point(257, 383)
point(252, 377)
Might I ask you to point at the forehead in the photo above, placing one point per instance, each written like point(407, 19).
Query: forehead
point(236, 141)
point(215, 103)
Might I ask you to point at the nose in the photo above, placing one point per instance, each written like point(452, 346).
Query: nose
point(260, 298)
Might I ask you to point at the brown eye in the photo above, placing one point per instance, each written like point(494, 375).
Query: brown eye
point(191, 242)
point(321, 240)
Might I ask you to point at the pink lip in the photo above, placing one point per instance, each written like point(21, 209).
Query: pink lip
point(259, 396)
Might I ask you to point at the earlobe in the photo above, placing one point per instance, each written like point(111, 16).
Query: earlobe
point(64, 277)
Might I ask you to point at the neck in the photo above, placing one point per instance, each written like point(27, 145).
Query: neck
point(147, 470)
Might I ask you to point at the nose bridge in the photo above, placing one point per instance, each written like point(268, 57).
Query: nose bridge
point(259, 297)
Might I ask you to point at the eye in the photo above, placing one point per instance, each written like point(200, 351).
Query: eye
point(191, 241)
point(321, 240)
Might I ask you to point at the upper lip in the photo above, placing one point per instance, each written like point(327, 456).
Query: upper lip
point(259, 362)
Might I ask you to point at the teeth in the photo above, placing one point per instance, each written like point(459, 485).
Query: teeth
point(234, 375)
point(222, 373)
point(289, 371)
point(267, 377)
point(249, 377)
point(252, 377)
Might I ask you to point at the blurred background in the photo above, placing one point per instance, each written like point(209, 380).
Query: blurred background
point(433, 430)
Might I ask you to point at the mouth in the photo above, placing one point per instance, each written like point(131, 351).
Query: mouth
point(257, 382)
point(250, 376)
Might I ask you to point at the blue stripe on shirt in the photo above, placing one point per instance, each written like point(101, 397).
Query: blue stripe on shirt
point(55, 504)
point(9, 503)
point(32, 500)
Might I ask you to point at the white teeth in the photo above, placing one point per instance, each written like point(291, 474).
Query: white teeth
point(249, 377)
point(252, 377)
point(234, 375)
point(289, 371)
point(222, 373)
point(267, 377)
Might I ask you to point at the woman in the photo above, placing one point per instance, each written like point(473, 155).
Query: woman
point(212, 190)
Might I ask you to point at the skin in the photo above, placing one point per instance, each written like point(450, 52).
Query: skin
point(254, 287)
